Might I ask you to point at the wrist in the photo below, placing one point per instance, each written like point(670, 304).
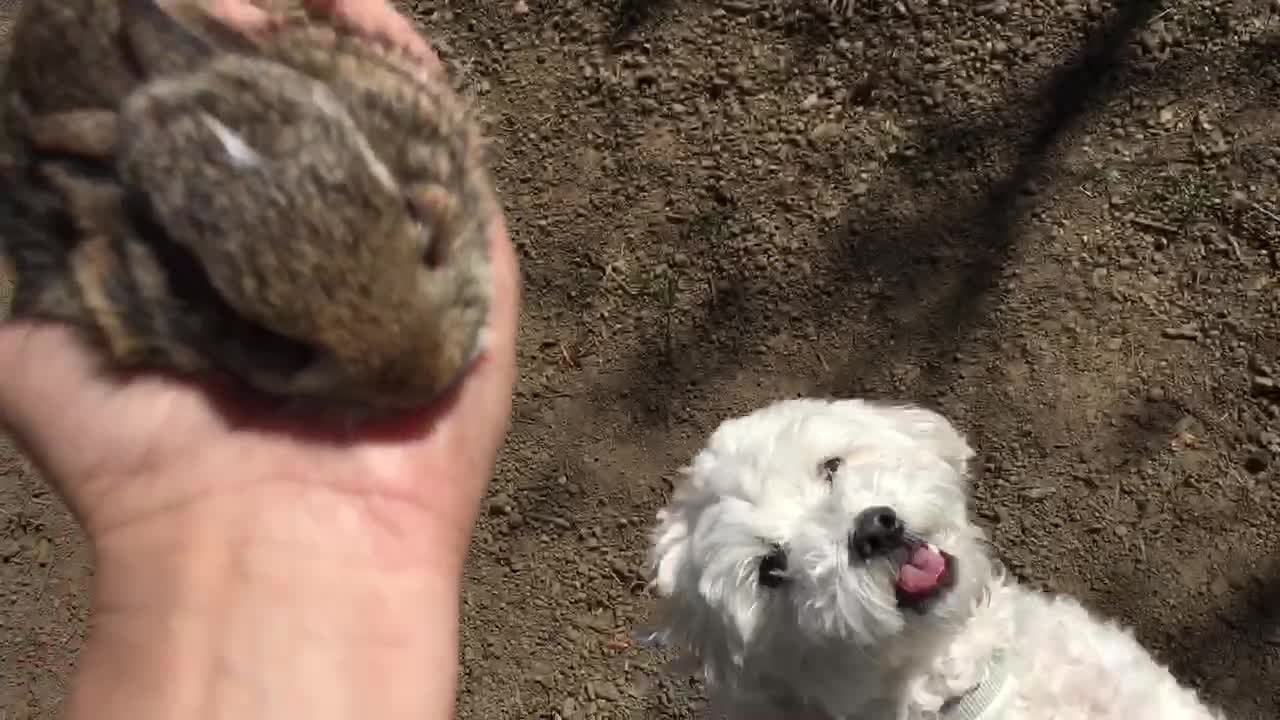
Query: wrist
point(281, 602)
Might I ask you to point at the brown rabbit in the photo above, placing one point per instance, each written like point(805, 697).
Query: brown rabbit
point(303, 209)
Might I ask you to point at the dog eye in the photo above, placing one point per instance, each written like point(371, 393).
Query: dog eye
point(773, 568)
point(829, 468)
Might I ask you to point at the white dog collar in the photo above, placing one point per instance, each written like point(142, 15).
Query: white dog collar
point(987, 700)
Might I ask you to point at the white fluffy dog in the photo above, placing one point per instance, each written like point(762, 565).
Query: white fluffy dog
point(818, 562)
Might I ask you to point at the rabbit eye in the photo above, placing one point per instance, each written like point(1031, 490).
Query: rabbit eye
point(773, 568)
point(829, 468)
point(432, 249)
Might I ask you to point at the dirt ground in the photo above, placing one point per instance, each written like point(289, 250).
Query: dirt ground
point(1058, 221)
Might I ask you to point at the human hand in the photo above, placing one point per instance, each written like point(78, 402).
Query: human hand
point(222, 531)
point(152, 444)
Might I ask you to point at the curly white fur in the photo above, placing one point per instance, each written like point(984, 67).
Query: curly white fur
point(831, 643)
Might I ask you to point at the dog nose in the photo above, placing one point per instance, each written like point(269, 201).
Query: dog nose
point(876, 531)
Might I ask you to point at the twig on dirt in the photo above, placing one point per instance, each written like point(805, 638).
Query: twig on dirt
point(566, 357)
point(610, 272)
point(1235, 247)
point(1153, 224)
point(1265, 211)
point(553, 520)
point(48, 569)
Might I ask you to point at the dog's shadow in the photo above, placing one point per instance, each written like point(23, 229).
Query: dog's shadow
point(1250, 616)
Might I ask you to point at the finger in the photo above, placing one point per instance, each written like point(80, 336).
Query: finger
point(505, 314)
point(463, 445)
point(240, 13)
point(379, 19)
point(482, 402)
point(457, 438)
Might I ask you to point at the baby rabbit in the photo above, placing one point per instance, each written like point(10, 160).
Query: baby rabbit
point(302, 209)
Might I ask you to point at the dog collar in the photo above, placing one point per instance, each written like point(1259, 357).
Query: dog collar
point(987, 700)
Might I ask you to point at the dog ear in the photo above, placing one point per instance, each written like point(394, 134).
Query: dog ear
point(933, 430)
point(705, 615)
point(669, 552)
point(679, 613)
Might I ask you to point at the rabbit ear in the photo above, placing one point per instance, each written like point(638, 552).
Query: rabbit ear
point(36, 256)
point(178, 37)
point(88, 133)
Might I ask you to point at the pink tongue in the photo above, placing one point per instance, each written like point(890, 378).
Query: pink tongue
point(923, 573)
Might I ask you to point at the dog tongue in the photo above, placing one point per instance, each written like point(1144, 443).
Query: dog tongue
point(924, 572)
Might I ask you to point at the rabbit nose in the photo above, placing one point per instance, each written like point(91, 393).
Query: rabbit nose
point(876, 531)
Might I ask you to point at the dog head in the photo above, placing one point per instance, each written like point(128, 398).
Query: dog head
point(819, 531)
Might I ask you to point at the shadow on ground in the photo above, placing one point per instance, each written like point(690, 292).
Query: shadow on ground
point(935, 304)
point(1250, 616)
point(631, 16)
